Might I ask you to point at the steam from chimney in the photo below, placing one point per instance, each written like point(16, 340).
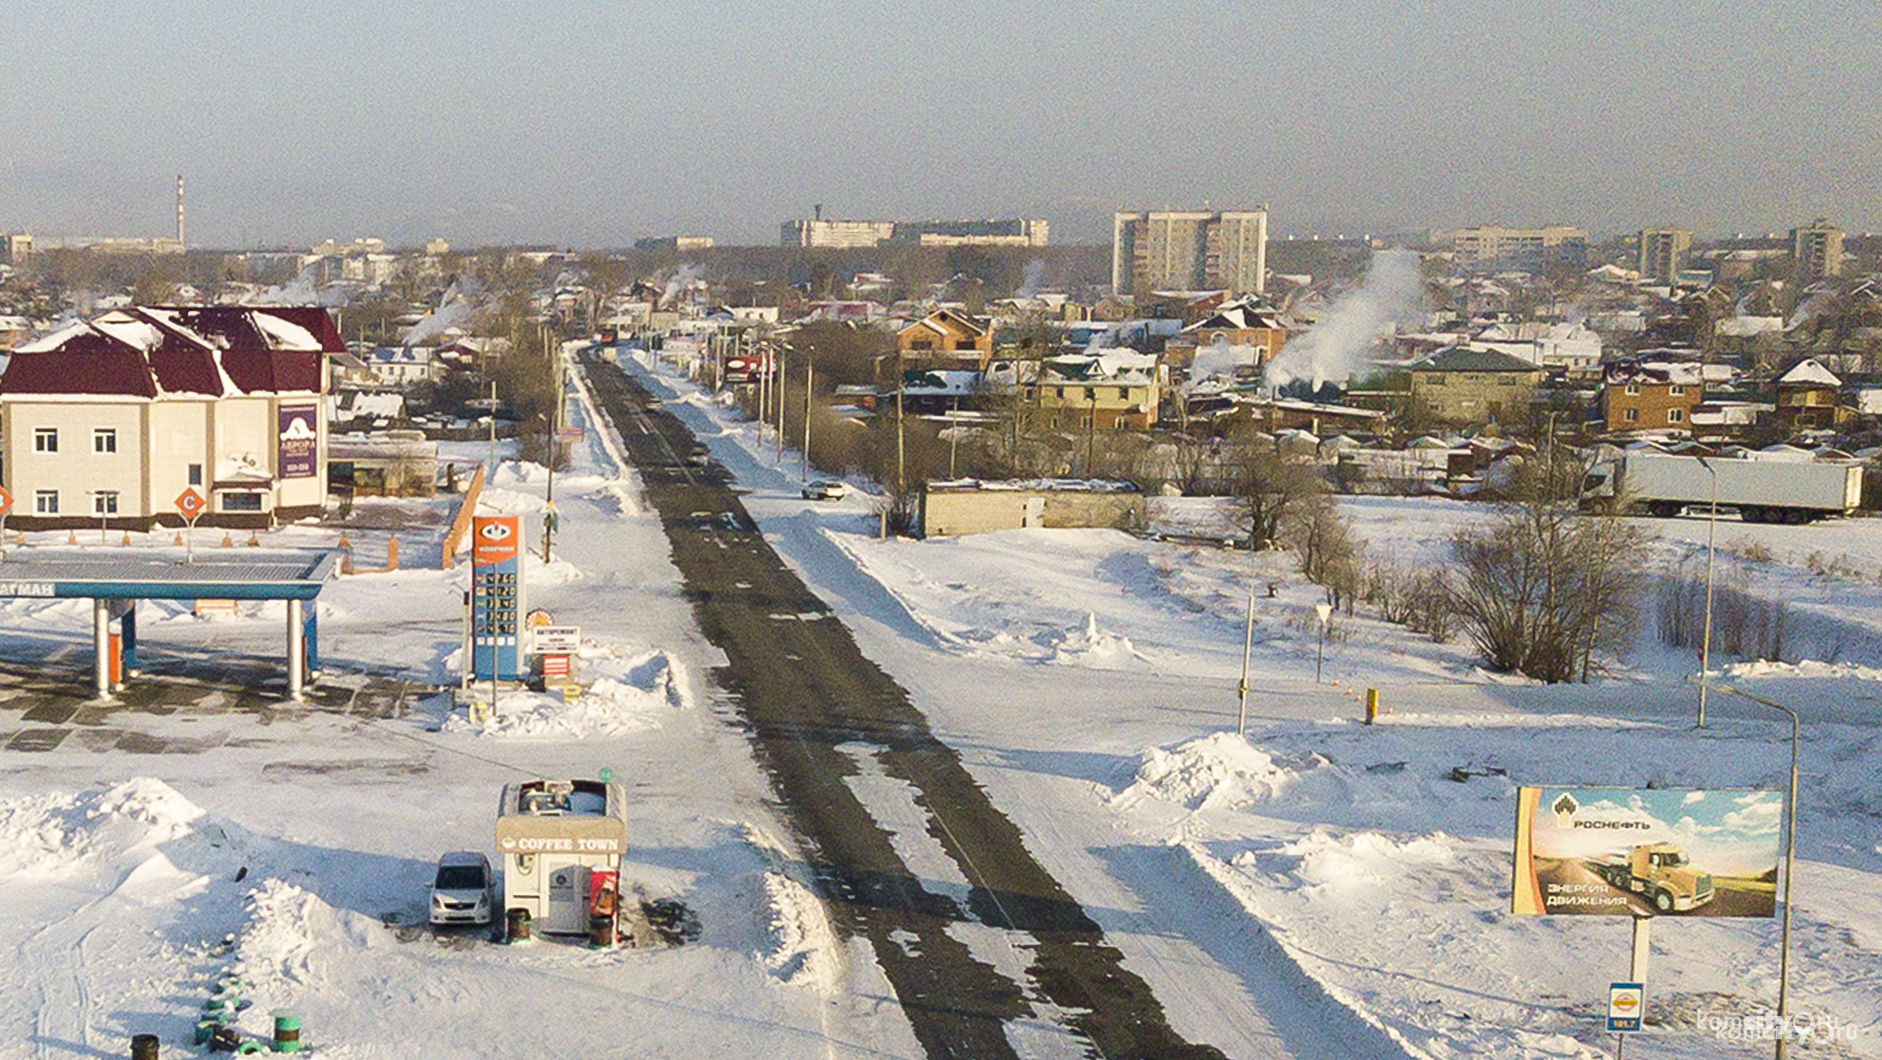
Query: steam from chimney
point(1031, 279)
point(1336, 349)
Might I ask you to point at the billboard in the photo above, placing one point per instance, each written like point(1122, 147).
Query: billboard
point(1646, 852)
point(298, 438)
point(496, 597)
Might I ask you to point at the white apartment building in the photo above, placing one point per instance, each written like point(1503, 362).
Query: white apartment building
point(1189, 250)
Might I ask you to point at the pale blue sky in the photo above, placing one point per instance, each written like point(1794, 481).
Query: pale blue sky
point(593, 123)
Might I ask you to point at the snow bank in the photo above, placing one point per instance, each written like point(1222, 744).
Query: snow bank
point(52, 834)
point(624, 694)
point(1221, 770)
point(806, 951)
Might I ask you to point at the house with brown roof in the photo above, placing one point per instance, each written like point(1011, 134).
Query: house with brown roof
point(1808, 398)
point(1651, 395)
point(945, 339)
point(109, 421)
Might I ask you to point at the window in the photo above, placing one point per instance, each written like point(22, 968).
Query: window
point(241, 502)
point(1676, 415)
point(1061, 393)
point(46, 502)
point(196, 474)
point(1633, 388)
point(45, 439)
point(1676, 390)
point(1630, 415)
point(104, 440)
point(104, 502)
point(1123, 393)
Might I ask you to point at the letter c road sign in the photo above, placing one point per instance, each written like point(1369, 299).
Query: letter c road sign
point(190, 503)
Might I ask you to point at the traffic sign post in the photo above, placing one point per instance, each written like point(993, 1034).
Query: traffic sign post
point(191, 504)
point(1626, 1003)
point(6, 505)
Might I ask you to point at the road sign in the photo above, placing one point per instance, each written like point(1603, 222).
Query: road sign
point(557, 640)
point(190, 503)
point(6, 501)
point(569, 434)
point(1626, 1002)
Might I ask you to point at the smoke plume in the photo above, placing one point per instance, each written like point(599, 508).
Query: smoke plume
point(1336, 349)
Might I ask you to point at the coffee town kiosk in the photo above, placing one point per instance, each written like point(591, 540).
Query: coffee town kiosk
point(561, 842)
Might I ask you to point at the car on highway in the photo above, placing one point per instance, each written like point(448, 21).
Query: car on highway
point(825, 490)
point(460, 893)
point(699, 455)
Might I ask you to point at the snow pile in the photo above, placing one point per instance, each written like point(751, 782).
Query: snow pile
point(1219, 770)
point(51, 834)
point(1804, 668)
point(624, 695)
point(275, 951)
point(806, 951)
point(1092, 646)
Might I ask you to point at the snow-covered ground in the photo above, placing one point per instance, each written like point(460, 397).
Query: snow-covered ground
point(1319, 879)
point(1314, 888)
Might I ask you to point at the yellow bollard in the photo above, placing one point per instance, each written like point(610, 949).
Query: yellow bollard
point(1372, 706)
point(392, 553)
point(228, 540)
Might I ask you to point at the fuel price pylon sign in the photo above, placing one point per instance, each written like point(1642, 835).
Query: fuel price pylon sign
point(497, 648)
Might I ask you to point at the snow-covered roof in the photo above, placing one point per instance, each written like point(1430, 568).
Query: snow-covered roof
point(1809, 371)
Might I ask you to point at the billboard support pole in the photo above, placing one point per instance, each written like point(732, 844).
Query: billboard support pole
point(1637, 967)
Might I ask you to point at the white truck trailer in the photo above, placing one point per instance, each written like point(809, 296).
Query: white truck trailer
point(1761, 491)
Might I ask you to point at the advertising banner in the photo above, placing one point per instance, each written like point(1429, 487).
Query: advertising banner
point(1646, 852)
point(299, 438)
point(496, 597)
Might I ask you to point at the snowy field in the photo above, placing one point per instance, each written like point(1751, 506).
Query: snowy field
point(1317, 888)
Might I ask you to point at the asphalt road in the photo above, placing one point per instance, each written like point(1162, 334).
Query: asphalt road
point(805, 690)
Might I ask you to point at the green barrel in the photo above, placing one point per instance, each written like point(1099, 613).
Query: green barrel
point(287, 1031)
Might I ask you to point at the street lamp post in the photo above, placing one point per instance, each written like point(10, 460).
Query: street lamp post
point(1705, 636)
point(1325, 611)
point(1248, 643)
point(1790, 865)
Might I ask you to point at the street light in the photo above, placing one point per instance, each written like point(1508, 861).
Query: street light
point(1705, 636)
point(1325, 611)
point(1790, 864)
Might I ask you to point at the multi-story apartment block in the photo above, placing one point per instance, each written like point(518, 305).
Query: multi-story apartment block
point(1520, 248)
point(1818, 248)
point(1189, 250)
point(817, 232)
point(1663, 253)
point(15, 248)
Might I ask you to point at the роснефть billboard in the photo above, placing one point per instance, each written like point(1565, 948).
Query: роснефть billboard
point(1646, 851)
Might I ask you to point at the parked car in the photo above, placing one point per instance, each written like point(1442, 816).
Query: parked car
point(461, 892)
point(825, 491)
point(699, 456)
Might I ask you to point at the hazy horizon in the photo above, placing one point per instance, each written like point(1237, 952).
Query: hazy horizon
point(592, 125)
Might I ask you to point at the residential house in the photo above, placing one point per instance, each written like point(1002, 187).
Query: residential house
point(1651, 396)
point(1098, 389)
point(1251, 324)
point(112, 419)
point(945, 338)
point(1464, 387)
point(1807, 398)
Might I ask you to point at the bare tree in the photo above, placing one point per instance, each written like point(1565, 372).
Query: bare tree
point(1542, 588)
point(1269, 489)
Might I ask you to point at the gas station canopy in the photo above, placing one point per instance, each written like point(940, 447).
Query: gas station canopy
point(124, 574)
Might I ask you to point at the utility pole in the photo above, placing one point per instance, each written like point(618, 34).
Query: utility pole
point(1091, 430)
point(901, 435)
point(810, 366)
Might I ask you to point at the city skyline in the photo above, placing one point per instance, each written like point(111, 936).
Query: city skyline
point(587, 126)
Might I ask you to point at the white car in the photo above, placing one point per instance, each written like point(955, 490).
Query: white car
point(825, 491)
point(461, 892)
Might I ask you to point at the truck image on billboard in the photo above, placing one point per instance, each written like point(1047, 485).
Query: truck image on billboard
point(1646, 852)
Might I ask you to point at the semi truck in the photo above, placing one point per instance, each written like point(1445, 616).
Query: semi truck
point(1662, 873)
point(1761, 491)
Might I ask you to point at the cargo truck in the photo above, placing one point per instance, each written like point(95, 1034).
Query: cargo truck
point(1761, 491)
point(1662, 873)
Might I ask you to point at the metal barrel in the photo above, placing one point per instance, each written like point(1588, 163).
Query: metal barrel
point(287, 1031)
point(601, 932)
point(516, 924)
point(143, 1047)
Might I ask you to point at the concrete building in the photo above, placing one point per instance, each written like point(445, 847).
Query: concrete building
point(1465, 388)
point(111, 420)
point(1520, 248)
point(973, 507)
point(15, 248)
point(679, 243)
point(1663, 253)
point(1189, 250)
point(1818, 248)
